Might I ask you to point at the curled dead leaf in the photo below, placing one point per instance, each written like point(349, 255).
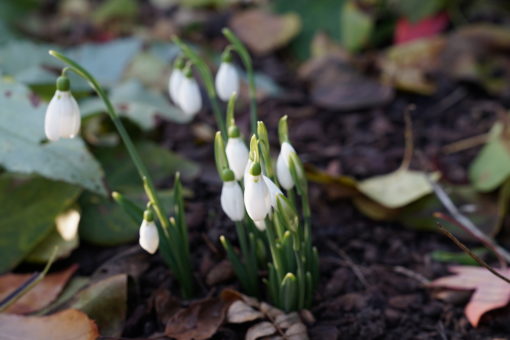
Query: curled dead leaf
point(40, 296)
point(240, 312)
point(69, 324)
point(259, 330)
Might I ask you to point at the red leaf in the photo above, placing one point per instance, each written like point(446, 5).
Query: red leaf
point(430, 26)
point(490, 292)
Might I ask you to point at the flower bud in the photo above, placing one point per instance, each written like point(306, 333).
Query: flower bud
point(232, 200)
point(227, 81)
point(282, 166)
point(63, 118)
point(175, 81)
point(149, 237)
point(256, 195)
point(237, 156)
point(189, 98)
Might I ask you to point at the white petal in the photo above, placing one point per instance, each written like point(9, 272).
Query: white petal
point(67, 224)
point(232, 201)
point(149, 238)
point(247, 171)
point(274, 191)
point(63, 118)
point(256, 198)
point(237, 156)
point(282, 166)
point(190, 99)
point(227, 81)
point(174, 83)
point(261, 225)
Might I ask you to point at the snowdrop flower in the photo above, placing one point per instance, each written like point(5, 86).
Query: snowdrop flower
point(227, 79)
point(149, 238)
point(237, 153)
point(63, 118)
point(282, 166)
point(274, 191)
point(175, 80)
point(189, 98)
point(232, 197)
point(257, 199)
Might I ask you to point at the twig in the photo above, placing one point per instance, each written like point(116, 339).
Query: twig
point(465, 144)
point(490, 246)
point(355, 269)
point(412, 274)
point(466, 222)
point(408, 136)
point(470, 253)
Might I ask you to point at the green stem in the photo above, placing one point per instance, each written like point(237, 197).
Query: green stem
point(208, 80)
point(246, 59)
point(133, 153)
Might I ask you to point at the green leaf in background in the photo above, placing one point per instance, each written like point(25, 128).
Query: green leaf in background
point(355, 27)
point(115, 10)
point(415, 10)
point(316, 15)
point(103, 222)
point(491, 166)
point(21, 134)
point(138, 104)
point(456, 257)
point(44, 249)
point(28, 207)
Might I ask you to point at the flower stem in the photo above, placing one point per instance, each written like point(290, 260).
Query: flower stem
point(245, 57)
point(180, 271)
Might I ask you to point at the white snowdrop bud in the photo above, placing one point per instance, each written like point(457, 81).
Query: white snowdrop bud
point(63, 118)
point(274, 191)
point(237, 153)
point(175, 81)
point(232, 197)
point(189, 98)
point(227, 81)
point(261, 225)
point(256, 195)
point(282, 166)
point(149, 237)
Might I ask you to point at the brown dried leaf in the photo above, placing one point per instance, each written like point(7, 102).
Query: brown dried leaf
point(263, 31)
point(259, 330)
point(38, 297)
point(490, 292)
point(69, 324)
point(240, 312)
point(201, 319)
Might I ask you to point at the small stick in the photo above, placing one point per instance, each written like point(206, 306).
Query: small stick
point(350, 263)
point(412, 274)
point(408, 137)
point(465, 144)
point(490, 246)
point(463, 220)
point(470, 253)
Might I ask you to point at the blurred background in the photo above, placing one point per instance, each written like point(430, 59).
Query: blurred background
point(344, 72)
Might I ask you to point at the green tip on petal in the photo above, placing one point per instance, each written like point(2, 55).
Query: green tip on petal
point(148, 216)
point(233, 132)
point(228, 175)
point(179, 63)
point(63, 83)
point(255, 169)
point(226, 56)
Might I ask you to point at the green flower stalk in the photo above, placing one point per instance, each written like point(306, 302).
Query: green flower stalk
point(172, 233)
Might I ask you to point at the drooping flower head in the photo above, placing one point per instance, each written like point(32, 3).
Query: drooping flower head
point(176, 79)
point(257, 199)
point(63, 118)
point(232, 200)
point(237, 152)
point(189, 97)
point(149, 237)
point(227, 78)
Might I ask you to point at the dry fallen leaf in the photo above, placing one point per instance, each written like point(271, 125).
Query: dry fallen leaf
point(40, 296)
point(490, 292)
point(274, 324)
point(69, 324)
point(201, 319)
point(263, 31)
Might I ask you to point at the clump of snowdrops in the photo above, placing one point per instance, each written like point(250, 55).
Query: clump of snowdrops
point(269, 206)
